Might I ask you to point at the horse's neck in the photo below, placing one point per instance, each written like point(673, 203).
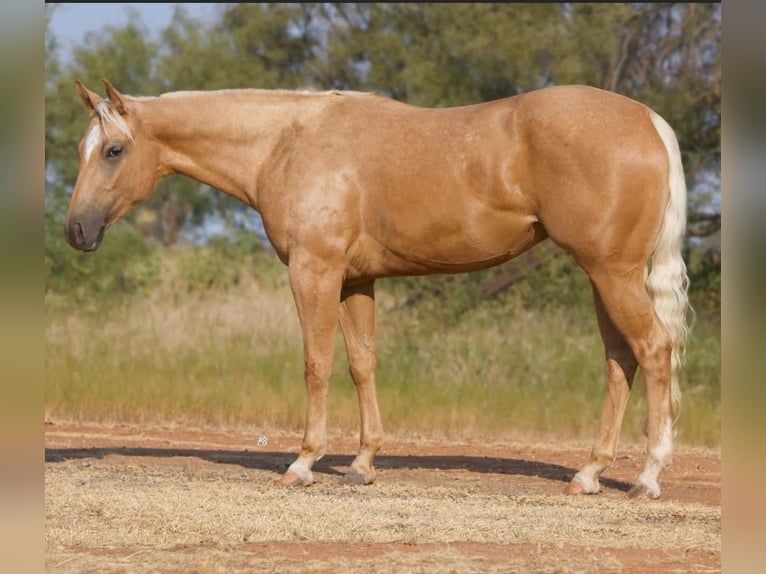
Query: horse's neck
point(221, 139)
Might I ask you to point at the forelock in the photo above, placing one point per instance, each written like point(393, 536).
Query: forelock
point(110, 118)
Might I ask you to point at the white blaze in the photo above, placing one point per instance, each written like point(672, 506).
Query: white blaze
point(94, 136)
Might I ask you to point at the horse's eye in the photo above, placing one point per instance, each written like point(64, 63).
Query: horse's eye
point(113, 151)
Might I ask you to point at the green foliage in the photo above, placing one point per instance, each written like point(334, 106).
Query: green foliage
point(591, 42)
point(217, 266)
point(704, 268)
point(128, 268)
point(443, 299)
point(442, 54)
point(126, 265)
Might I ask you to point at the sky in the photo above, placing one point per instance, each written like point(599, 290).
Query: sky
point(71, 21)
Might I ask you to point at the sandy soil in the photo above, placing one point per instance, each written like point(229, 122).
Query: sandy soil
point(128, 499)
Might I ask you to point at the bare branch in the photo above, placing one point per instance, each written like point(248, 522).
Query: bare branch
point(703, 224)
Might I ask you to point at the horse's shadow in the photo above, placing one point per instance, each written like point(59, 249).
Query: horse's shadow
point(278, 462)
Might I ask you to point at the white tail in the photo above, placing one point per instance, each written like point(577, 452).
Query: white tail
point(666, 279)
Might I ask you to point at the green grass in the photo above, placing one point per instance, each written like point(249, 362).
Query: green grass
point(218, 360)
point(233, 357)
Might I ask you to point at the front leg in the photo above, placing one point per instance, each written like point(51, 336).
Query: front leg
point(316, 285)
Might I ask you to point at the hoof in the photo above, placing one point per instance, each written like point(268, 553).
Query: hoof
point(354, 477)
point(576, 486)
point(292, 479)
point(643, 491)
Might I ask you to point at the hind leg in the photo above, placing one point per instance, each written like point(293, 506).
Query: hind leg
point(620, 369)
point(627, 303)
point(357, 321)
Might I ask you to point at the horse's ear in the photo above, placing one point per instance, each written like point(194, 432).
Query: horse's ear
point(114, 97)
point(90, 99)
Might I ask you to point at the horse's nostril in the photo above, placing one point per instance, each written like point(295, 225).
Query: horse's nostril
point(79, 236)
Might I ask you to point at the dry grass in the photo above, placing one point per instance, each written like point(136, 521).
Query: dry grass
point(148, 514)
point(232, 355)
point(439, 559)
point(229, 359)
point(103, 504)
point(222, 360)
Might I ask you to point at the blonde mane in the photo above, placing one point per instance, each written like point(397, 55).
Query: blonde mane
point(275, 92)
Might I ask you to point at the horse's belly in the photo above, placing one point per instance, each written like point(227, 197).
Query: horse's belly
point(433, 245)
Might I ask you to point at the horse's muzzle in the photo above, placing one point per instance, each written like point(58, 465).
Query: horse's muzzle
point(83, 236)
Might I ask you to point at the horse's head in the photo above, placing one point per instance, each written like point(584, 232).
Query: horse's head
point(118, 167)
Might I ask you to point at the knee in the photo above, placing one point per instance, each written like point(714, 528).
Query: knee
point(317, 373)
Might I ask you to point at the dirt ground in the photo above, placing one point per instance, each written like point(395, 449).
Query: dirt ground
point(129, 499)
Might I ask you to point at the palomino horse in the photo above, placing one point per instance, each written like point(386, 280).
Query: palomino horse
point(352, 187)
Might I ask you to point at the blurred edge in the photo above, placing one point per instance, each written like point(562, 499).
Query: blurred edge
point(22, 123)
point(743, 306)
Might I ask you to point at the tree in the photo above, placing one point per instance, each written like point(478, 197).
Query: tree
point(667, 56)
point(440, 54)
